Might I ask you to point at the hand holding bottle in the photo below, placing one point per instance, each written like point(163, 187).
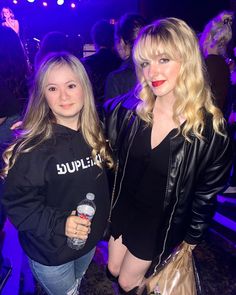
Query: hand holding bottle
point(85, 212)
point(77, 227)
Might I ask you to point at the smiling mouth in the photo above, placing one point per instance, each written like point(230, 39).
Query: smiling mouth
point(157, 83)
point(66, 106)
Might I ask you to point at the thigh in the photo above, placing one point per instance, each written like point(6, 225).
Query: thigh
point(116, 253)
point(82, 263)
point(56, 280)
point(132, 271)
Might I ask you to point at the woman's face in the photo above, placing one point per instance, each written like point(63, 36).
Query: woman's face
point(64, 95)
point(161, 74)
point(6, 12)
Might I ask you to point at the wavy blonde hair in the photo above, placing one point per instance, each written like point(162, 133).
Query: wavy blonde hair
point(192, 91)
point(38, 119)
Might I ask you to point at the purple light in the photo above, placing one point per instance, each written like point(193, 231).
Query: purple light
point(72, 5)
point(15, 1)
point(225, 221)
point(45, 4)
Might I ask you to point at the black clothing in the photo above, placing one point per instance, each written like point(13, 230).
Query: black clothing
point(219, 75)
point(122, 80)
point(197, 171)
point(141, 200)
point(98, 66)
point(9, 104)
point(42, 189)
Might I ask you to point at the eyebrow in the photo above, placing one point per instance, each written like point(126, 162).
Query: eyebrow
point(67, 82)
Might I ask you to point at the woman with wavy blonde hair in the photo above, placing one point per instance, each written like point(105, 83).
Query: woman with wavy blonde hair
point(173, 153)
point(58, 157)
point(213, 42)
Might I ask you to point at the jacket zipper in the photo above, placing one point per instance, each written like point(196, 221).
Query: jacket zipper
point(172, 213)
point(123, 174)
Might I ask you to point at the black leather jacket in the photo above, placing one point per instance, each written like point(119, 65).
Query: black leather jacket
point(197, 171)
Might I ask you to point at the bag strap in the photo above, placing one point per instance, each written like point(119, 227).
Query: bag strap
point(113, 192)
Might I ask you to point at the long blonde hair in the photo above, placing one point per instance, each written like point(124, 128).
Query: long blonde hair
point(38, 119)
point(192, 91)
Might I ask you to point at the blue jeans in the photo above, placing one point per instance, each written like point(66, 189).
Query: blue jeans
point(62, 279)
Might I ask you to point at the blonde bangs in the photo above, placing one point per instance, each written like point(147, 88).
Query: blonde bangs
point(149, 47)
point(173, 38)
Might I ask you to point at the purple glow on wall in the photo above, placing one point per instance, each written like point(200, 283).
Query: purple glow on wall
point(225, 221)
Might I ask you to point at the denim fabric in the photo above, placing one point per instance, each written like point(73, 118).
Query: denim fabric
point(63, 279)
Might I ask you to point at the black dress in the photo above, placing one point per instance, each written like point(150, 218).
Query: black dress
point(137, 215)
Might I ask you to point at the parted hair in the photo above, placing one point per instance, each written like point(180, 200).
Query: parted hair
point(192, 91)
point(38, 120)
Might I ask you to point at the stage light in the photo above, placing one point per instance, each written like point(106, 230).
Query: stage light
point(60, 2)
point(45, 4)
point(30, 1)
point(72, 5)
point(15, 1)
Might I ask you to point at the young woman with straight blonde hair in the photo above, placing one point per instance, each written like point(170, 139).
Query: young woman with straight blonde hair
point(58, 157)
point(173, 153)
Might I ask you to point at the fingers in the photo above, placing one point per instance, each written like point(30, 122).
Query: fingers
point(77, 227)
point(16, 125)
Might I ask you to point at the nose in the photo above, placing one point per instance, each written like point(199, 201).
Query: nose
point(153, 70)
point(63, 94)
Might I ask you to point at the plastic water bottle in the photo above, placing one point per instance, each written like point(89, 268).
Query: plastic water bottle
point(85, 209)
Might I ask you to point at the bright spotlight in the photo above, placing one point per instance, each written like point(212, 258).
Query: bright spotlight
point(15, 1)
point(60, 2)
point(30, 1)
point(72, 5)
point(45, 4)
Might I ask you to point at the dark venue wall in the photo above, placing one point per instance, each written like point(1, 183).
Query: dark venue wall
point(196, 12)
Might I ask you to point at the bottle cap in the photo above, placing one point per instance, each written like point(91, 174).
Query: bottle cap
point(90, 196)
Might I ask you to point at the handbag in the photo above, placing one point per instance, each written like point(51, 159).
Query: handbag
point(176, 276)
point(107, 231)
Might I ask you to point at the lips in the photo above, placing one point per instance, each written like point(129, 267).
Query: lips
point(158, 83)
point(66, 106)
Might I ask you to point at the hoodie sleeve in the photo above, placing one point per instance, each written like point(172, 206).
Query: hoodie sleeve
point(24, 198)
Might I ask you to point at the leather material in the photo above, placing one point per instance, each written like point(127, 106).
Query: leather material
point(198, 170)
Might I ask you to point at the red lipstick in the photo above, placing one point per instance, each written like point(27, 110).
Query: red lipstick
point(158, 83)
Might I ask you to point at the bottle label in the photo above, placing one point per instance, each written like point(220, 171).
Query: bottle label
point(85, 211)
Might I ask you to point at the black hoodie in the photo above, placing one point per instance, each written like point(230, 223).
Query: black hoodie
point(42, 189)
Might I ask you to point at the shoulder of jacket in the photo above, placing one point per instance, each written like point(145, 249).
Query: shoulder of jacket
point(123, 101)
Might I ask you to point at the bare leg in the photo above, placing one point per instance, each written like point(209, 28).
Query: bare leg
point(116, 255)
point(132, 271)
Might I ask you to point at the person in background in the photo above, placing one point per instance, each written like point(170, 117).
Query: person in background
point(14, 72)
point(13, 90)
point(52, 42)
point(231, 109)
point(58, 157)
point(104, 61)
point(214, 39)
point(8, 19)
point(173, 154)
point(124, 79)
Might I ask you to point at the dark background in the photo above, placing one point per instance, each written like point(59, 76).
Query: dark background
point(36, 20)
